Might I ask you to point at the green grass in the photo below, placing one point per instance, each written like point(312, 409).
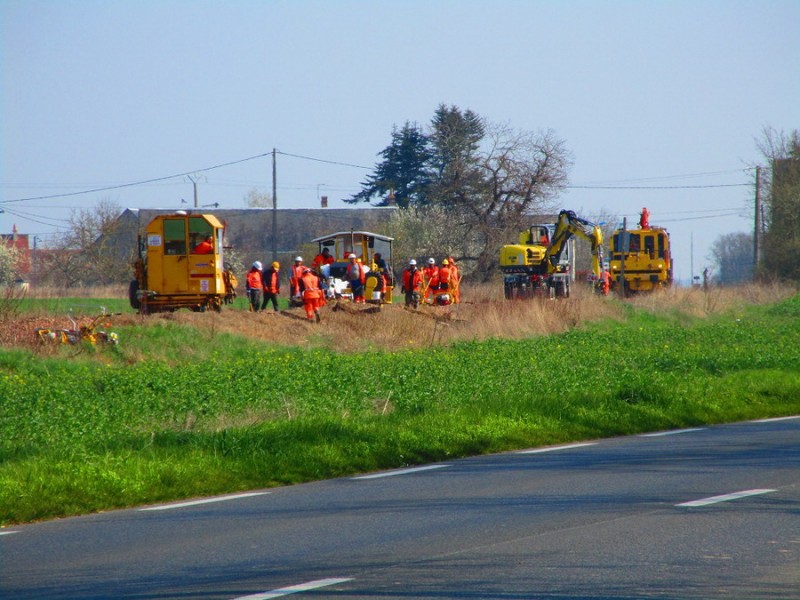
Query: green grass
point(84, 435)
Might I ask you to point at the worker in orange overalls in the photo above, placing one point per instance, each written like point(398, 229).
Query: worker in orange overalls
point(445, 278)
point(430, 279)
point(644, 220)
point(412, 284)
point(323, 258)
point(312, 294)
point(356, 277)
point(295, 273)
point(254, 286)
point(455, 280)
point(270, 279)
point(605, 281)
point(205, 247)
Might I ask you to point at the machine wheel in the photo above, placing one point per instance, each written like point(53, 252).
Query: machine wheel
point(510, 290)
point(133, 288)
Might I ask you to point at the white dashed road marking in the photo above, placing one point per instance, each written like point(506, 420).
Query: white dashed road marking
point(772, 420)
point(400, 472)
point(724, 498)
point(295, 589)
point(204, 501)
point(554, 448)
point(673, 432)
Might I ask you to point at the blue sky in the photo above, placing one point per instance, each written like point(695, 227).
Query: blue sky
point(669, 95)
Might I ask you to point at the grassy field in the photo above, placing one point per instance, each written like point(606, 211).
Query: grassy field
point(193, 404)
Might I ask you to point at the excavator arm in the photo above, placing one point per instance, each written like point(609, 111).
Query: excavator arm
point(570, 224)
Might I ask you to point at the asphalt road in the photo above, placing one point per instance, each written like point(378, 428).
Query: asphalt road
point(701, 513)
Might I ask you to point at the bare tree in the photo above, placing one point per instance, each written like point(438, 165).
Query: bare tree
point(85, 254)
point(521, 175)
point(10, 258)
point(781, 242)
point(258, 199)
point(732, 254)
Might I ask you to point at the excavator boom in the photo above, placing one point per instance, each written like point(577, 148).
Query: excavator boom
point(570, 224)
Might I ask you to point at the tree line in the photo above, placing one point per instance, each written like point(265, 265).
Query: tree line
point(465, 187)
point(779, 235)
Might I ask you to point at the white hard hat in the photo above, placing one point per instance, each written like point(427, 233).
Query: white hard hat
point(352, 256)
point(431, 261)
point(412, 262)
point(257, 265)
point(298, 258)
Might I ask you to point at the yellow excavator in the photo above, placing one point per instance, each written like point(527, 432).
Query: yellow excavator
point(539, 265)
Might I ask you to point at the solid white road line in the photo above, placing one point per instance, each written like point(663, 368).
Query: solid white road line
point(204, 501)
point(773, 419)
point(294, 589)
point(400, 472)
point(554, 448)
point(724, 498)
point(8, 532)
point(671, 432)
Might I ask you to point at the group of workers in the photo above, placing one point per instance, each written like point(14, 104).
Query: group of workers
point(307, 287)
point(264, 285)
point(432, 284)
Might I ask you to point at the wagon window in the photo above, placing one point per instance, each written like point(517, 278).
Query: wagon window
point(199, 229)
point(174, 236)
point(650, 245)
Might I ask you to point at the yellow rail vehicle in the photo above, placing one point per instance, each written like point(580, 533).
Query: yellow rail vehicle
point(179, 265)
point(641, 259)
point(379, 279)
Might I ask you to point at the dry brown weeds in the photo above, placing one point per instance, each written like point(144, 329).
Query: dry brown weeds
point(483, 314)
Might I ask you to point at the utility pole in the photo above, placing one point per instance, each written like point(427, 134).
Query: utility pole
point(274, 207)
point(625, 240)
point(194, 179)
point(757, 224)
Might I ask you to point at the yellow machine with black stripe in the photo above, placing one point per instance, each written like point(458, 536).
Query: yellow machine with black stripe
point(641, 259)
point(539, 265)
point(179, 265)
point(373, 250)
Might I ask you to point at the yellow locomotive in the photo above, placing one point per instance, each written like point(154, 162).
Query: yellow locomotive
point(641, 259)
point(179, 265)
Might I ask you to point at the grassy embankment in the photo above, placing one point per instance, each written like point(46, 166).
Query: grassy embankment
point(186, 407)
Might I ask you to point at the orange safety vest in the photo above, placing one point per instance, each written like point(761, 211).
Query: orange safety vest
point(430, 274)
point(254, 279)
point(353, 274)
point(273, 284)
point(320, 260)
point(444, 277)
point(311, 289)
point(412, 282)
point(295, 273)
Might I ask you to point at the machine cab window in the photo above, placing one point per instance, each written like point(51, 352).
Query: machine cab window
point(201, 236)
point(174, 237)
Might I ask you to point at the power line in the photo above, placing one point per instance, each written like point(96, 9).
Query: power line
point(667, 177)
point(135, 183)
point(25, 217)
point(321, 160)
point(344, 164)
point(656, 187)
